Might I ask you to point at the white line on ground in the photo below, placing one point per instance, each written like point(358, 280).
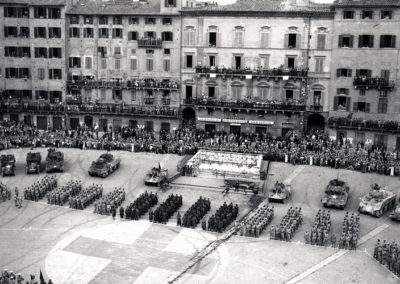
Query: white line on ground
point(294, 174)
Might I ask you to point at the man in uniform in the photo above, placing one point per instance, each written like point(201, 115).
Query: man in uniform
point(121, 212)
point(178, 219)
point(307, 237)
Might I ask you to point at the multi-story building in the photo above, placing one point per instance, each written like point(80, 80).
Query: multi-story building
point(256, 66)
point(365, 72)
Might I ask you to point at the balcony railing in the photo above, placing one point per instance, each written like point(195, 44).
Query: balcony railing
point(268, 105)
point(316, 108)
point(365, 125)
point(379, 83)
point(165, 101)
point(149, 100)
point(138, 84)
point(150, 43)
point(277, 73)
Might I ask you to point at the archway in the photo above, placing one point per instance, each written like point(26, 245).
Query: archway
point(189, 118)
point(315, 122)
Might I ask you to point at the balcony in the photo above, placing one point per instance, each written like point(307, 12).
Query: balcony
point(149, 43)
point(366, 83)
point(137, 84)
point(257, 105)
point(386, 126)
point(316, 108)
point(149, 100)
point(165, 101)
point(257, 73)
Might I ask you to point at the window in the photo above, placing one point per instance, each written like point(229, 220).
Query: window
point(345, 41)
point(342, 91)
point(18, 73)
point(385, 74)
point(167, 21)
point(380, 140)
point(366, 41)
point(133, 95)
point(75, 62)
point(54, 13)
point(262, 93)
point(88, 20)
point(16, 12)
point(292, 40)
point(343, 72)
point(150, 21)
point(117, 20)
point(117, 64)
point(289, 94)
point(238, 37)
point(188, 92)
point(102, 50)
point(364, 73)
point(264, 60)
point(319, 64)
point(149, 51)
point(236, 93)
point(149, 64)
point(24, 32)
point(212, 61)
point(264, 41)
point(367, 14)
point(55, 74)
point(132, 35)
point(321, 39)
point(40, 32)
point(133, 51)
point(291, 62)
point(103, 94)
point(189, 61)
point(10, 31)
point(386, 15)
point(88, 62)
point(388, 41)
point(55, 52)
point(117, 51)
point(149, 126)
point(74, 20)
point(382, 105)
point(54, 32)
point(133, 21)
point(361, 106)
point(167, 51)
point(42, 95)
point(88, 32)
point(170, 3)
point(149, 34)
point(74, 32)
point(40, 52)
point(133, 64)
point(190, 36)
point(103, 33)
point(41, 74)
point(167, 36)
point(341, 103)
point(348, 15)
point(103, 20)
point(40, 12)
point(317, 95)
point(237, 61)
point(14, 51)
point(212, 39)
point(117, 94)
point(211, 91)
point(167, 65)
point(362, 92)
point(104, 63)
point(117, 33)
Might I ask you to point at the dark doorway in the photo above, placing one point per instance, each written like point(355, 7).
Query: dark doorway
point(117, 124)
point(165, 127)
point(261, 130)
point(210, 128)
point(42, 122)
point(74, 123)
point(189, 92)
point(57, 123)
point(14, 117)
point(341, 136)
point(28, 119)
point(315, 122)
point(287, 132)
point(88, 121)
point(103, 124)
point(235, 129)
point(189, 118)
point(133, 124)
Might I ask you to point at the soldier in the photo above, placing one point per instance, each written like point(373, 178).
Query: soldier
point(378, 243)
point(20, 279)
point(204, 225)
point(114, 213)
point(121, 212)
point(333, 240)
point(178, 220)
point(272, 232)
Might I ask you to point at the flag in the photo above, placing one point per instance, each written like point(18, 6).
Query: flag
point(41, 278)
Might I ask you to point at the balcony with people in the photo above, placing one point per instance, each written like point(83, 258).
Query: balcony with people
point(365, 125)
point(149, 42)
point(379, 83)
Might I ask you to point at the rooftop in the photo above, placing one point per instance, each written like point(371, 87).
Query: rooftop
point(366, 3)
point(34, 2)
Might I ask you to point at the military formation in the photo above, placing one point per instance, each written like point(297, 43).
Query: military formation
point(258, 222)
point(166, 209)
point(5, 192)
point(195, 213)
point(86, 197)
point(321, 230)
point(40, 188)
point(288, 225)
point(62, 194)
point(141, 205)
point(388, 254)
point(223, 217)
point(110, 202)
point(350, 231)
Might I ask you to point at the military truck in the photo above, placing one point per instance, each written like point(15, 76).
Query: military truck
point(244, 184)
point(33, 163)
point(377, 201)
point(105, 165)
point(395, 214)
point(156, 176)
point(54, 161)
point(280, 192)
point(336, 194)
point(8, 165)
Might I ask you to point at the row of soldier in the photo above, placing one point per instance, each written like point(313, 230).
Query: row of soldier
point(223, 217)
point(258, 222)
point(62, 194)
point(195, 213)
point(321, 230)
point(166, 209)
point(350, 231)
point(388, 254)
point(141, 205)
point(86, 197)
point(5, 192)
point(110, 202)
point(40, 188)
point(288, 225)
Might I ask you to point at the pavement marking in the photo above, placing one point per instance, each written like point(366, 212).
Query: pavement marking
point(336, 255)
point(289, 179)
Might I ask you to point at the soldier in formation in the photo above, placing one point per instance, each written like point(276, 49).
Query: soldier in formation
point(86, 197)
point(195, 213)
point(62, 194)
point(223, 217)
point(288, 225)
point(40, 188)
point(321, 230)
point(110, 201)
point(256, 224)
point(5, 192)
point(388, 254)
point(350, 231)
point(167, 209)
point(141, 205)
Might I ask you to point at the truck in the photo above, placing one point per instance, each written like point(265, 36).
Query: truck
point(377, 201)
point(33, 163)
point(105, 165)
point(8, 165)
point(244, 184)
point(280, 192)
point(336, 194)
point(156, 176)
point(54, 161)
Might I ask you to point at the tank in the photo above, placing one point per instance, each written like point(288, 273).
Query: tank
point(8, 165)
point(105, 165)
point(33, 163)
point(395, 214)
point(280, 192)
point(54, 161)
point(336, 194)
point(156, 176)
point(377, 201)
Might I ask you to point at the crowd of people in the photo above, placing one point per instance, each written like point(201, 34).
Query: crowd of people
point(5, 192)
point(61, 195)
point(141, 205)
point(86, 196)
point(350, 231)
point(288, 225)
point(9, 277)
point(40, 188)
point(166, 209)
point(223, 217)
point(321, 230)
point(110, 202)
point(388, 254)
point(195, 213)
point(257, 222)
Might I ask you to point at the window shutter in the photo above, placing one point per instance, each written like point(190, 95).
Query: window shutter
point(382, 42)
point(335, 102)
point(371, 41)
point(321, 41)
point(218, 43)
point(208, 39)
point(298, 40)
point(233, 62)
point(367, 107)
point(338, 71)
point(286, 41)
point(185, 61)
point(385, 74)
point(357, 72)
point(130, 36)
point(133, 64)
point(351, 41)
point(393, 45)
point(286, 61)
point(348, 103)
point(50, 53)
point(349, 72)
point(360, 43)
point(340, 43)
point(258, 62)
point(355, 107)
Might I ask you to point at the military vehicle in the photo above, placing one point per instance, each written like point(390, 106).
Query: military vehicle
point(377, 201)
point(280, 192)
point(156, 176)
point(245, 184)
point(54, 161)
point(8, 165)
point(33, 163)
point(395, 214)
point(105, 165)
point(336, 194)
